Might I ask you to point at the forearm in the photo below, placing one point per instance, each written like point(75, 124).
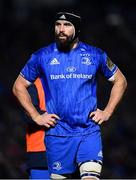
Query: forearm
point(116, 95)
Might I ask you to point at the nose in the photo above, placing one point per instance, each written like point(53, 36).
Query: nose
point(61, 28)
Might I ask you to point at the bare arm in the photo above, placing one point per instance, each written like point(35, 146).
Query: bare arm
point(117, 91)
point(21, 93)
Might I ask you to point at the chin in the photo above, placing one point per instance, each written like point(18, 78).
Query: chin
point(63, 46)
point(62, 41)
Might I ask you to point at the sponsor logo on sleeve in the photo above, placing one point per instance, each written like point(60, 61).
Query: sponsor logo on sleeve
point(110, 64)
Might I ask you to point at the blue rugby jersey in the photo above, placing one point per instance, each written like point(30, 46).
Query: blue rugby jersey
point(69, 81)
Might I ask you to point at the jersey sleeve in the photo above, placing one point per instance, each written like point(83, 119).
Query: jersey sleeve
point(107, 67)
point(32, 68)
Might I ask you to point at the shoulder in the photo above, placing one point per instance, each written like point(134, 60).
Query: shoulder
point(45, 50)
point(91, 48)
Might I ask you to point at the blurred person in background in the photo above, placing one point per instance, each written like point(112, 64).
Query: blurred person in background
point(36, 151)
point(68, 70)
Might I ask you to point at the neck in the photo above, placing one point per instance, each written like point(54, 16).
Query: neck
point(74, 43)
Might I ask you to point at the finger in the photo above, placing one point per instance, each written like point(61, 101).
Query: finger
point(51, 123)
point(93, 118)
point(54, 121)
point(55, 116)
point(47, 125)
point(100, 122)
point(92, 114)
point(52, 118)
point(96, 119)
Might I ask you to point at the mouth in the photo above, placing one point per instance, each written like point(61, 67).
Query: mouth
point(62, 36)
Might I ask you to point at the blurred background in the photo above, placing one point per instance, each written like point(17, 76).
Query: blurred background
point(27, 25)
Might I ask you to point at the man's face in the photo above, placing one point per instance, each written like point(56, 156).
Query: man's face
point(64, 32)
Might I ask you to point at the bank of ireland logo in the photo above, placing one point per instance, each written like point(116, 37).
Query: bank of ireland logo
point(86, 61)
point(71, 69)
point(57, 165)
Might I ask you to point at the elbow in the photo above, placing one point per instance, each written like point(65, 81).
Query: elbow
point(121, 82)
point(14, 89)
point(17, 86)
point(125, 84)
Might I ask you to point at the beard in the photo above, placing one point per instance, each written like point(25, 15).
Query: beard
point(63, 42)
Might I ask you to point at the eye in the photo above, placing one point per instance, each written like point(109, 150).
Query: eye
point(57, 24)
point(68, 24)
